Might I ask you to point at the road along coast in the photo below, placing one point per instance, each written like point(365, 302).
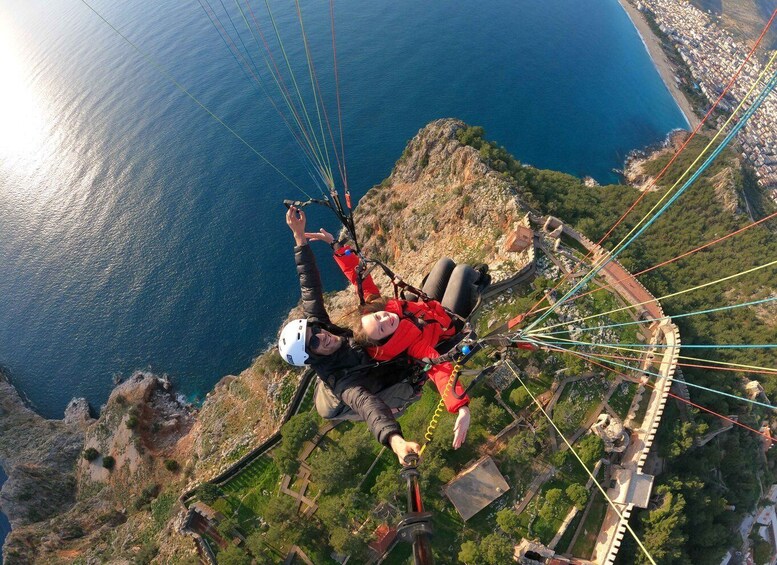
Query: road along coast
point(660, 60)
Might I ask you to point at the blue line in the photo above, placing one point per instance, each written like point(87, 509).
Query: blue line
point(665, 318)
point(765, 405)
point(745, 117)
point(683, 346)
point(254, 81)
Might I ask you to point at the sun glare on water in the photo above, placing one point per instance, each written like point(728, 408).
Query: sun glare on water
point(22, 120)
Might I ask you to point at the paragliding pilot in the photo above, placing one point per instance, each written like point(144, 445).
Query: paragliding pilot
point(347, 387)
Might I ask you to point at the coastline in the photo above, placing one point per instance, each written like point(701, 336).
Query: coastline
point(660, 61)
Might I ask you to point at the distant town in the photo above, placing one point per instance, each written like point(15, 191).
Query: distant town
point(713, 57)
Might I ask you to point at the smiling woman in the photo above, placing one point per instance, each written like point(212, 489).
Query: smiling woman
point(24, 123)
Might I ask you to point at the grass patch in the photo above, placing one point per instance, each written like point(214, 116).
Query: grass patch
point(620, 401)
point(586, 541)
point(566, 539)
point(308, 400)
point(643, 406)
point(577, 403)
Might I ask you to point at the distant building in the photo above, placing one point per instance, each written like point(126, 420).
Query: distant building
point(476, 487)
point(384, 538)
point(612, 432)
point(630, 487)
point(519, 240)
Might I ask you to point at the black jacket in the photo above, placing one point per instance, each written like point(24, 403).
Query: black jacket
point(346, 371)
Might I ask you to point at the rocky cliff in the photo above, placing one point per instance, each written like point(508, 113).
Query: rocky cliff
point(105, 490)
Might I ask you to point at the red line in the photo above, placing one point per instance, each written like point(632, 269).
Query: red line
point(667, 262)
point(762, 370)
point(651, 385)
point(677, 154)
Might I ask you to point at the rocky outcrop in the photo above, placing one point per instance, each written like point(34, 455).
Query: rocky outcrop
point(634, 168)
point(39, 457)
point(726, 192)
point(442, 198)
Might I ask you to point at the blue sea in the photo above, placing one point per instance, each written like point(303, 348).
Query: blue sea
point(136, 232)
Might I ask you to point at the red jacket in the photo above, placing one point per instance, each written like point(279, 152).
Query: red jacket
point(422, 325)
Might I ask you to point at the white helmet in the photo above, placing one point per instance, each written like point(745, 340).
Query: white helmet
point(291, 344)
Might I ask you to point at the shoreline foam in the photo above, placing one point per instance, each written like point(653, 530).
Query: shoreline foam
point(660, 61)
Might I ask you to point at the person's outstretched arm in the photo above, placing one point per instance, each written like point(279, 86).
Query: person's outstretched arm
point(307, 270)
point(378, 417)
point(348, 261)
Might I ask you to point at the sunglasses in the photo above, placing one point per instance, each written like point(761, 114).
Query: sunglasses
point(315, 338)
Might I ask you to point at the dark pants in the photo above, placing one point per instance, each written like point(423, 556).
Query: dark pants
point(453, 286)
point(329, 407)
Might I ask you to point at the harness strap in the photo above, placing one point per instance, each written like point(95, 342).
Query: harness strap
point(400, 284)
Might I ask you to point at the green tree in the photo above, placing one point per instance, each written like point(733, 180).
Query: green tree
point(508, 521)
point(90, 454)
point(280, 510)
point(553, 505)
point(388, 487)
point(343, 507)
point(522, 447)
point(233, 555)
point(762, 550)
point(591, 228)
point(332, 468)
point(345, 542)
point(356, 443)
point(172, 465)
point(258, 548)
point(470, 553)
point(520, 397)
point(496, 549)
point(109, 462)
point(227, 527)
point(578, 494)
point(300, 428)
point(590, 449)
point(486, 417)
point(559, 458)
point(664, 536)
point(208, 493)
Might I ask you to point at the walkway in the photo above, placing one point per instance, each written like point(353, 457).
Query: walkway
point(547, 472)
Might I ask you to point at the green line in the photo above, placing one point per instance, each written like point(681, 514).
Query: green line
point(169, 77)
point(296, 87)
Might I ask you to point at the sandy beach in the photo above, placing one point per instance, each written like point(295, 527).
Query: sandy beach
point(660, 60)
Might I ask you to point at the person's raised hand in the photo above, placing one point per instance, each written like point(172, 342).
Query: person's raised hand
point(295, 219)
point(460, 427)
point(320, 235)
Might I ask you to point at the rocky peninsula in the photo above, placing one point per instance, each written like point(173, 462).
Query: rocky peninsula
point(82, 487)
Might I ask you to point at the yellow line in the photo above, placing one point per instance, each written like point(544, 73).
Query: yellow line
point(692, 165)
point(755, 368)
point(590, 475)
point(678, 293)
